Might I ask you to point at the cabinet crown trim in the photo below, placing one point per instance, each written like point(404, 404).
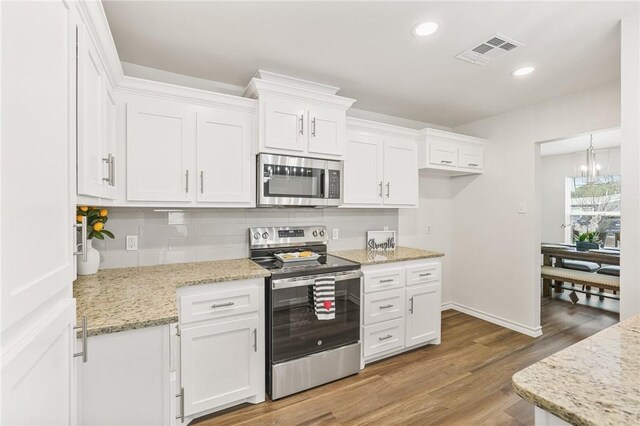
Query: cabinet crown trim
point(296, 82)
point(455, 137)
point(360, 124)
point(258, 87)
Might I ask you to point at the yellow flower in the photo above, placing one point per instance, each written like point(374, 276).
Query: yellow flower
point(79, 218)
point(84, 208)
point(104, 212)
point(98, 226)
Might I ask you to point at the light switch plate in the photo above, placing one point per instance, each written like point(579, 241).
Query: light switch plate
point(335, 233)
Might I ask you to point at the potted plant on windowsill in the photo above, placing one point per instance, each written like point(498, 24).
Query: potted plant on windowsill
point(96, 218)
point(587, 240)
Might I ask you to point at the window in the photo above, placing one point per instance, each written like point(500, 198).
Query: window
point(594, 206)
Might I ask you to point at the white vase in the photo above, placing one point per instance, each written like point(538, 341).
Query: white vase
point(90, 266)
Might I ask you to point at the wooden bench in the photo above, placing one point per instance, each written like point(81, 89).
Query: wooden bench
point(587, 279)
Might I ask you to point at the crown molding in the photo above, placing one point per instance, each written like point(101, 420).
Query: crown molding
point(380, 128)
point(456, 137)
point(258, 87)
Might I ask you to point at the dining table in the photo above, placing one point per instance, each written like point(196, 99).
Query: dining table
point(554, 253)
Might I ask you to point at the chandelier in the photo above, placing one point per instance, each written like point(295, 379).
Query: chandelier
point(591, 170)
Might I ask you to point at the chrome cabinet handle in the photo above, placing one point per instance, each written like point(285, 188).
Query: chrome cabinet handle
point(202, 181)
point(186, 179)
point(181, 396)
point(111, 166)
point(411, 307)
point(474, 164)
point(83, 244)
point(425, 275)
point(302, 124)
point(385, 306)
point(386, 281)
point(388, 336)
point(84, 354)
point(214, 306)
point(313, 128)
point(388, 188)
point(255, 340)
point(380, 184)
point(446, 161)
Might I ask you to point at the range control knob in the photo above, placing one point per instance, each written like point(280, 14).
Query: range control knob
point(322, 233)
point(256, 236)
point(265, 235)
point(315, 233)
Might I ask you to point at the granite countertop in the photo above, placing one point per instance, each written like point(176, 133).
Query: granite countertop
point(594, 382)
point(365, 257)
point(124, 299)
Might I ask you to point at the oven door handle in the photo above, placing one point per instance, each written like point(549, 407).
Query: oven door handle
point(307, 281)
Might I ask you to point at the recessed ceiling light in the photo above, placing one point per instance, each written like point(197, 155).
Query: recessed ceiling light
point(523, 71)
point(425, 29)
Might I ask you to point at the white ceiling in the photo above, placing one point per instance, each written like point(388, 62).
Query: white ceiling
point(601, 140)
point(366, 48)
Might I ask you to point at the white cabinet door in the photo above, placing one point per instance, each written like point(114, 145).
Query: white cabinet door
point(327, 130)
point(224, 164)
point(91, 95)
point(470, 157)
point(443, 154)
point(423, 314)
point(219, 363)
point(363, 167)
point(159, 151)
point(109, 143)
point(285, 127)
point(400, 172)
point(38, 184)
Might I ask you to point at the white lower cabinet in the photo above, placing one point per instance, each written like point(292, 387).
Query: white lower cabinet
point(401, 307)
point(221, 347)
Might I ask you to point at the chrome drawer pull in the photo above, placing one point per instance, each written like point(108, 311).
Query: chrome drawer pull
point(474, 164)
point(386, 306)
point(388, 336)
point(84, 354)
point(255, 340)
point(446, 161)
point(222, 305)
point(425, 275)
point(411, 308)
point(386, 281)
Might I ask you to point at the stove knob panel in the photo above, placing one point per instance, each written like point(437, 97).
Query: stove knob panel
point(256, 236)
point(265, 235)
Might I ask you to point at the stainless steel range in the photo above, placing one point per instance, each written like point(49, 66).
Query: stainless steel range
point(306, 348)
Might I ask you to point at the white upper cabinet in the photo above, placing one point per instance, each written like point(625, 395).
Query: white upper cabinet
point(224, 161)
point(95, 122)
point(160, 159)
point(380, 166)
point(298, 117)
point(450, 154)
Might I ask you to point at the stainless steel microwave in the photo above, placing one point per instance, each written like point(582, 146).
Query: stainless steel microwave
point(285, 181)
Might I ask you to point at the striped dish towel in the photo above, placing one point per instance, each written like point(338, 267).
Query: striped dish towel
point(324, 299)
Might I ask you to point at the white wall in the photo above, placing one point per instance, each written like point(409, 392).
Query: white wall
point(630, 225)
point(434, 212)
point(554, 169)
point(495, 249)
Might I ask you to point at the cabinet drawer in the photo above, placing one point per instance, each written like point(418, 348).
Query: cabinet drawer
point(383, 306)
point(383, 337)
point(384, 279)
point(218, 304)
point(470, 157)
point(422, 274)
point(443, 154)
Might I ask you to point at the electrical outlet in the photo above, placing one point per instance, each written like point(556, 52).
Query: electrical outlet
point(428, 229)
point(522, 208)
point(132, 243)
point(385, 228)
point(336, 233)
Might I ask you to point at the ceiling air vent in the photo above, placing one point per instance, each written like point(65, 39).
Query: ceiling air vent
point(491, 48)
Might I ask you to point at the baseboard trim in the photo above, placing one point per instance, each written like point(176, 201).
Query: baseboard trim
point(512, 325)
point(446, 305)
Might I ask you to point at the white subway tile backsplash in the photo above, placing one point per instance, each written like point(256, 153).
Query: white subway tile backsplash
point(213, 234)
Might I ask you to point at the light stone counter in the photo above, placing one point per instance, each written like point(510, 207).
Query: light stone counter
point(365, 257)
point(594, 382)
point(124, 299)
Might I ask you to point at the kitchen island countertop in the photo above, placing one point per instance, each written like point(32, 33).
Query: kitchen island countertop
point(124, 299)
point(365, 257)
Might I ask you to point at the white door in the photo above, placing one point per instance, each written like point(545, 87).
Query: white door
point(160, 157)
point(400, 172)
point(327, 128)
point(363, 167)
point(91, 95)
point(423, 314)
point(285, 127)
point(225, 167)
point(37, 171)
point(219, 363)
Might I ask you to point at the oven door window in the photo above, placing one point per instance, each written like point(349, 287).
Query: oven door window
point(297, 331)
point(289, 181)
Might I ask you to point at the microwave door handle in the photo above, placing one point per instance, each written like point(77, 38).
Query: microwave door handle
point(324, 177)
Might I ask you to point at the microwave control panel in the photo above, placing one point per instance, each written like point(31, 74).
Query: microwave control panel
point(334, 184)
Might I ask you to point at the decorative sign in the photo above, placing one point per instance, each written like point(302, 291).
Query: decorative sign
point(381, 240)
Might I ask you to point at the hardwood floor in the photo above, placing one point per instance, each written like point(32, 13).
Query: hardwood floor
point(465, 380)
